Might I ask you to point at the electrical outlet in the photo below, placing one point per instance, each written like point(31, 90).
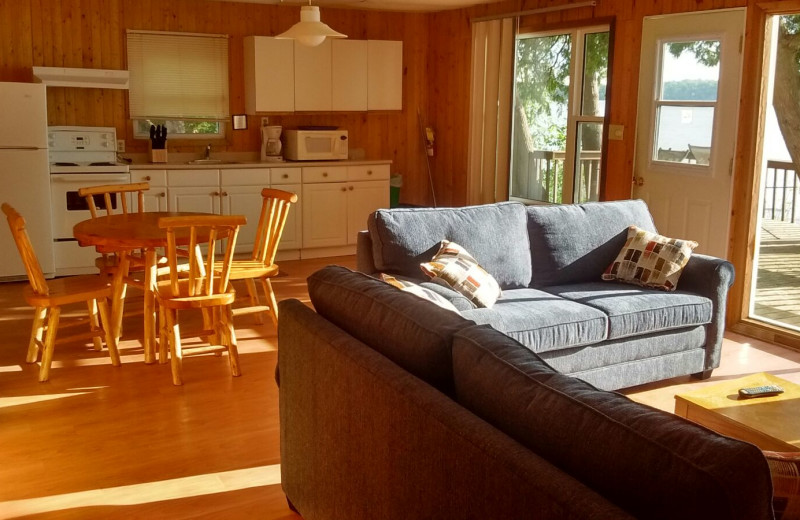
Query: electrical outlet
point(120, 145)
point(264, 121)
point(616, 132)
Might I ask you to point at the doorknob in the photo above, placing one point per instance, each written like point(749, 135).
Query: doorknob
point(640, 181)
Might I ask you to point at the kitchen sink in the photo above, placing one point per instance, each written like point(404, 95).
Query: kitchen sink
point(210, 161)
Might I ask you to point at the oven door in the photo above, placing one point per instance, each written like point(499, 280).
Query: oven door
point(68, 207)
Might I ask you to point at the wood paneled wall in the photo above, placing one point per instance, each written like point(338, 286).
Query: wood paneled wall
point(91, 34)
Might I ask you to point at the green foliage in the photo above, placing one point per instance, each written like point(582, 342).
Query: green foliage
point(705, 51)
point(178, 127)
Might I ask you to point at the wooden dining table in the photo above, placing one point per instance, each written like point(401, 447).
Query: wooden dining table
point(122, 233)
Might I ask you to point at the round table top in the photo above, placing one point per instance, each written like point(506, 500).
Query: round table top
point(126, 231)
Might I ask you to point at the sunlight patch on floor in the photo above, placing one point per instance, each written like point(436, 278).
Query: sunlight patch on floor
point(6, 402)
point(148, 492)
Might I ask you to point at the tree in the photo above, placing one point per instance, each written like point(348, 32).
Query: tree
point(787, 85)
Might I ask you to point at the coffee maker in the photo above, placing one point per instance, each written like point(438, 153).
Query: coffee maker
point(271, 143)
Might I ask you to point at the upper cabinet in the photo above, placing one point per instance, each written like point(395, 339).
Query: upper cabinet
point(312, 77)
point(338, 75)
point(349, 75)
point(268, 74)
point(385, 82)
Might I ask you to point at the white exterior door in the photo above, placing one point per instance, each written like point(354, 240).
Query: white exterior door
point(690, 74)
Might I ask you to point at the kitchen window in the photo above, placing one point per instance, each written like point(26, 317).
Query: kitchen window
point(179, 80)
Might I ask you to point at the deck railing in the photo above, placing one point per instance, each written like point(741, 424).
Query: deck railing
point(780, 192)
point(539, 175)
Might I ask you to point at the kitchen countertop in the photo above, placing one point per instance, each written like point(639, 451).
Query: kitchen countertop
point(254, 164)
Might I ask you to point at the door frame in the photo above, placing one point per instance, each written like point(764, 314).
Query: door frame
point(747, 183)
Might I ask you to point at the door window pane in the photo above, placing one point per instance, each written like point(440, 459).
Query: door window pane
point(595, 68)
point(683, 134)
point(587, 158)
point(690, 70)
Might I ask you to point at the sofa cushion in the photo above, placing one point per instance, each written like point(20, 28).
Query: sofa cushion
point(542, 321)
point(495, 234)
point(453, 265)
point(636, 310)
point(651, 463)
point(576, 243)
point(414, 333)
point(650, 260)
point(459, 301)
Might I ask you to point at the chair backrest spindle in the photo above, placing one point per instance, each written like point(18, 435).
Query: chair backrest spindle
point(32, 267)
point(274, 211)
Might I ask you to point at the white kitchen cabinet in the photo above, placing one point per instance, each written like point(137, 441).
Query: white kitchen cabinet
point(240, 194)
point(337, 202)
point(312, 77)
point(349, 75)
point(324, 214)
point(155, 199)
point(385, 75)
point(269, 70)
point(288, 179)
point(193, 190)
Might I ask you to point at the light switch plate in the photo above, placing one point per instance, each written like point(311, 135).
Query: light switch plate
point(616, 132)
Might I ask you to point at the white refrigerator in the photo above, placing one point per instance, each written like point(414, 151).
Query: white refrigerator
point(25, 175)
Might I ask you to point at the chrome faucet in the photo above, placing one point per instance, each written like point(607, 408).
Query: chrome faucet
point(208, 151)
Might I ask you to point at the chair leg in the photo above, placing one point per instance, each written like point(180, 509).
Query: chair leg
point(163, 336)
point(111, 341)
point(273, 304)
point(37, 333)
point(230, 339)
point(175, 350)
point(254, 299)
point(219, 330)
point(94, 323)
point(49, 343)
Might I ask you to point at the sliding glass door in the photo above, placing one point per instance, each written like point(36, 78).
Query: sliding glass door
point(560, 83)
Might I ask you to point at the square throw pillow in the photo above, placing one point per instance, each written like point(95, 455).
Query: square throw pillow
point(650, 260)
point(455, 266)
point(416, 290)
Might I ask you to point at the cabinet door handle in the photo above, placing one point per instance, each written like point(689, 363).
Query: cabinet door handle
point(344, 189)
point(224, 194)
point(147, 178)
point(285, 175)
point(215, 193)
point(324, 174)
point(369, 172)
point(162, 194)
point(350, 188)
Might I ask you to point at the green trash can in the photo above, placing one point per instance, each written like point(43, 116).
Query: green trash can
point(395, 183)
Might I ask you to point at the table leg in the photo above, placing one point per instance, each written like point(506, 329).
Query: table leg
point(118, 295)
point(150, 280)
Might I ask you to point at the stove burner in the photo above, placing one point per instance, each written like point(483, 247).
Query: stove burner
point(65, 164)
point(102, 163)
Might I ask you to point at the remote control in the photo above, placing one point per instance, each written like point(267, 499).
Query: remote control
point(760, 391)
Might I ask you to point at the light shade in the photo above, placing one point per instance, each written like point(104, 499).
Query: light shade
point(310, 30)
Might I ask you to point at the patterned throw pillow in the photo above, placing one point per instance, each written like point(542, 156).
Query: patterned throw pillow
point(650, 260)
point(416, 290)
point(459, 270)
point(785, 470)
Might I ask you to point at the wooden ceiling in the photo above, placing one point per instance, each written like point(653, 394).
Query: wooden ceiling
point(384, 5)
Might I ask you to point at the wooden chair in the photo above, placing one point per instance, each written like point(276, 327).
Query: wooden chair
point(108, 262)
point(202, 284)
point(48, 298)
point(261, 265)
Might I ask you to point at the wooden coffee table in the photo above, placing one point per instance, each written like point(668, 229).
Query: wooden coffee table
point(771, 423)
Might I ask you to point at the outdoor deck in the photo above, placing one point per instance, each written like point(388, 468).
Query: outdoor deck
point(778, 283)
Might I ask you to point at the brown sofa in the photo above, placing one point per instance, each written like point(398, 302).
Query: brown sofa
point(393, 408)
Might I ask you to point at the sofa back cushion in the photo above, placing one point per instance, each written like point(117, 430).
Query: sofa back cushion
point(576, 242)
point(414, 333)
point(494, 234)
point(651, 463)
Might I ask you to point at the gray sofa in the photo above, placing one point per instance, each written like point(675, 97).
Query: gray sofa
point(548, 261)
point(394, 408)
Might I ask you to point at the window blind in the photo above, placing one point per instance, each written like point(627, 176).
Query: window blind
point(178, 76)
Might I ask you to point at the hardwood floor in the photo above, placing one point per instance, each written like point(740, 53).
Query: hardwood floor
point(103, 442)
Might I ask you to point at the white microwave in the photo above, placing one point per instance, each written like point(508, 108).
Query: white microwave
point(315, 145)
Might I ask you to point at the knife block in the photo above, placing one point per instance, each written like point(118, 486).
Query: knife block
point(158, 155)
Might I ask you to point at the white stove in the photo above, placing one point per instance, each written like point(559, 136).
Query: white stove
point(80, 156)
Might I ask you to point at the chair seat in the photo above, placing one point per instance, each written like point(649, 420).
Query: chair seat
point(70, 290)
point(185, 301)
point(242, 269)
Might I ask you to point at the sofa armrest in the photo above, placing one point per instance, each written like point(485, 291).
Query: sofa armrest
point(710, 277)
point(364, 260)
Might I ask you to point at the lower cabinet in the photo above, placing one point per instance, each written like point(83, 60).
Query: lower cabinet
point(324, 214)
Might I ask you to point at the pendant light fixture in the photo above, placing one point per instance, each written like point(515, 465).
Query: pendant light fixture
point(310, 31)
